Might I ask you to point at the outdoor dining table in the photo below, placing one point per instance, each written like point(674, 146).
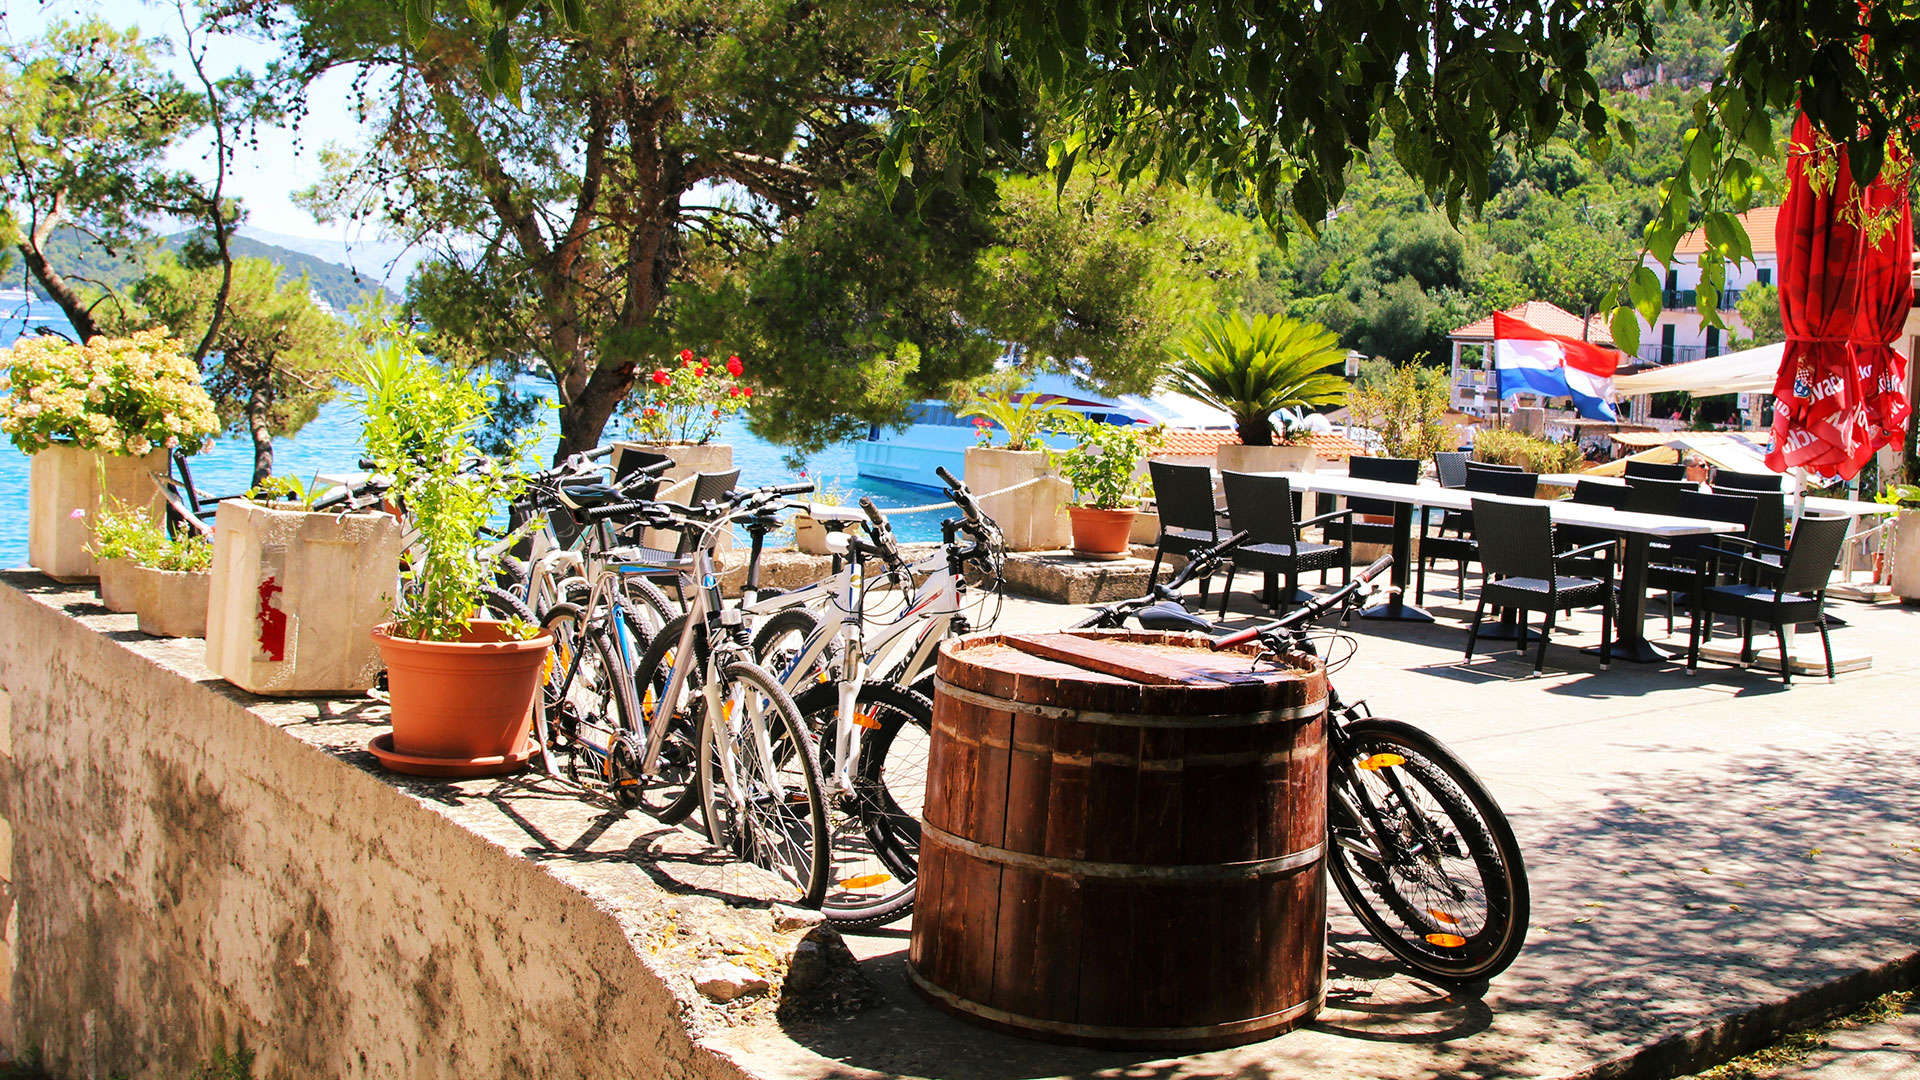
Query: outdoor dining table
point(1638, 530)
point(1814, 504)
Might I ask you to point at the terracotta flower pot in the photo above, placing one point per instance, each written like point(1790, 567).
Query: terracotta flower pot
point(1101, 534)
point(460, 708)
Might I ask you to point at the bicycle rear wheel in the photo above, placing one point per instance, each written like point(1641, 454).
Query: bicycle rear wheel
point(672, 791)
point(760, 782)
point(873, 828)
point(587, 728)
point(1423, 856)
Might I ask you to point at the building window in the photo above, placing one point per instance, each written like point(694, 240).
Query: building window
point(1713, 341)
point(1666, 344)
point(1764, 275)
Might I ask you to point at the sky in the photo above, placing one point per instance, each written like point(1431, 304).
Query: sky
point(264, 179)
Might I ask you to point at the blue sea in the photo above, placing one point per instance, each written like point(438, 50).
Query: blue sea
point(331, 444)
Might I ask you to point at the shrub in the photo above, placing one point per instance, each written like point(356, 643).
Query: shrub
point(1405, 410)
point(1023, 418)
point(685, 403)
point(1530, 452)
point(116, 395)
point(1101, 464)
point(1254, 367)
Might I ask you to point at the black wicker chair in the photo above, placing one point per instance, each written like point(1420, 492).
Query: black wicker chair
point(1189, 520)
point(1747, 481)
point(1678, 567)
point(1523, 573)
point(1650, 470)
point(669, 566)
point(1454, 539)
point(1782, 594)
point(1263, 507)
point(1389, 469)
point(1450, 467)
point(1769, 526)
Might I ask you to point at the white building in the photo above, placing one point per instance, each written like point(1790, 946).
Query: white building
point(1678, 335)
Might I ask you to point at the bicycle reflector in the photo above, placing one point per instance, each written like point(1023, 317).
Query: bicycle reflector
point(1446, 941)
point(1382, 761)
point(866, 881)
point(866, 720)
point(1443, 917)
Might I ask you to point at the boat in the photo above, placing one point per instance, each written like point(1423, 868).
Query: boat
point(935, 435)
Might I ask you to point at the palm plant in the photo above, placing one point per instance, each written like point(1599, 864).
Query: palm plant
point(1023, 418)
point(1254, 367)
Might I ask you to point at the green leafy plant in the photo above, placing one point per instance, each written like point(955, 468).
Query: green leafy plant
point(1102, 464)
point(286, 492)
point(419, 424)
point(1023, 418)
point(1503, 446)
point(1252, 367)
point(1405, 409)
point(1902, 495)
point(117, 395)
point(124, 533)
point(685, 404)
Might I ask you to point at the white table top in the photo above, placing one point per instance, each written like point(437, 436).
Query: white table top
point(1564, 512)
point(1818, 504)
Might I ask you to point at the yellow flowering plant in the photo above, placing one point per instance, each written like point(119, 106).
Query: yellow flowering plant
point(124, 395)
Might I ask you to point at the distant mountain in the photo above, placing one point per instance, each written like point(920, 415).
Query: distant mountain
point(78, 257)
point(387, 261)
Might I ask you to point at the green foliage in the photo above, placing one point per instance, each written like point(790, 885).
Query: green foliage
point(1406, 407)
point(1252, 367)
point(123, 533)
point(1503, 446)
point(1759, 308)
point(286, 492)
point(275, 358)
point(1023, 419)
point(419, 421)
point(1901, 495)
point(1104, 460)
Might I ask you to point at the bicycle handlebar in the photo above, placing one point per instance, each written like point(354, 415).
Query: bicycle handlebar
point(622, 509)
point(1310, 610)
point(1203, 559)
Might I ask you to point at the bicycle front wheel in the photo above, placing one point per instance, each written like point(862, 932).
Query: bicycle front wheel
point(760, 782)
point(1423, 855)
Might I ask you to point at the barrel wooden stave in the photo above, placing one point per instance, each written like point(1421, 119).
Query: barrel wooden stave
point(1097, 954)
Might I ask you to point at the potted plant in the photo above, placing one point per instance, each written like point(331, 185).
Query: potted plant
point(1103, 465)
point(461, 689)
point(1253, 367)
point(296, 593)
point(175, 583)
point(122, 538)
point(1903, 576)
point(1008, 452)
point(679, 408)
point(97, 419)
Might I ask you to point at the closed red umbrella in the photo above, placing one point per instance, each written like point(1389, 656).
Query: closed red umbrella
point(1886, 295)
point(1819, 422)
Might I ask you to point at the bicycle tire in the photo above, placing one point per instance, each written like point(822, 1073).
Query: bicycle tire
point(1451, 939)
point(779, 641)
point(503, 605)
point(773, 833)
point(588, 680)
point(672, 792)
point(873, 831)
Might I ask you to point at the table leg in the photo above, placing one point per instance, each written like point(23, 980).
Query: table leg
point(1630, 642)
point(1396, 606)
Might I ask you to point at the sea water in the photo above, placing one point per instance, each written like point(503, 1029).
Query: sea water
point(330, 444)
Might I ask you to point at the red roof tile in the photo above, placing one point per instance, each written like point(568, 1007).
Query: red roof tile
point(1540, 315)
point(1760, 224)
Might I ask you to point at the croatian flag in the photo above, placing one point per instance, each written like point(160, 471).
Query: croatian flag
point(1531, 361)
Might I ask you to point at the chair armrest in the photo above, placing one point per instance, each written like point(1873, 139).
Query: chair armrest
point(1744, 542)
point(1710, 556)
point(1590, 549)
point(1328, 516)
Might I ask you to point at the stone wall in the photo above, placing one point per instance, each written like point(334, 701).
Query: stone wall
point(190, 868)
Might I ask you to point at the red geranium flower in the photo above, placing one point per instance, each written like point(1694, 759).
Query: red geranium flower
point(716, 412)
point(648, 411)
point(734, 366)
point(686, 356)
point(700, 368)
point(747, 390)
point(660, 376)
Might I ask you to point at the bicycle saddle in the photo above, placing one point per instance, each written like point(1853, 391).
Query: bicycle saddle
point(587, 494)
point(1170, 615)
point(835, 515)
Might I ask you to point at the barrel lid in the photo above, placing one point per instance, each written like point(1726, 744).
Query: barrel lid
point(1149, 671)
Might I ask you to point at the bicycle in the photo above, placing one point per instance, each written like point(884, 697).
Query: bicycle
point(1417, 847)
point(849, 675)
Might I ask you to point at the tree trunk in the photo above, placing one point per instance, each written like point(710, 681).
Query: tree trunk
point(1254, 430)
point(262, 439)
point(584, 418)
point(59, 290)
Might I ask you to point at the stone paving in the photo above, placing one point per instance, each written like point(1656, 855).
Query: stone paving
point(1712, 858)
point(1885, 1051)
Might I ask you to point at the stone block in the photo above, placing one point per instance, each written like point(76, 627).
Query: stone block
point(64, 479)
point(1066, 578)
point(1033, 518)
point(173, 603)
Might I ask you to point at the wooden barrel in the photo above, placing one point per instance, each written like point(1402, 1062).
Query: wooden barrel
point(1123, 840)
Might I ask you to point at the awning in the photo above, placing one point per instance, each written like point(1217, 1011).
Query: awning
point(1744, 372)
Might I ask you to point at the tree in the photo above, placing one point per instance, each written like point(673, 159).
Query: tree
point(1251, 368)
point(275, 355)
point(1577, 265)
point(88, 116)
point(1759, 308)
point(568, 205)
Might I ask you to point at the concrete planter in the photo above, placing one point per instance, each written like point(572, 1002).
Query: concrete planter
point(120, 585)
point(173, 603)
point(1033, 518)
point(1905, 579)
point(810, 537)
point(1251, 459)
point(62, 479)
point(295, 598)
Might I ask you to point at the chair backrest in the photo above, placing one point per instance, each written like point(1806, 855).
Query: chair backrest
point(1814, 553)
point(1649, 470)
point(1738, 509)
point(1515, 539)
point(1451, 467)
point(1649, 496)
point(1474, 465)
point(1393, 470)
point(1769, 524)
point(706, 485)
point(1747, 481)
point(1595, 493)
point(1183, 495)
point(1516, 484)
point(627, 461)
point(1261, 505)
